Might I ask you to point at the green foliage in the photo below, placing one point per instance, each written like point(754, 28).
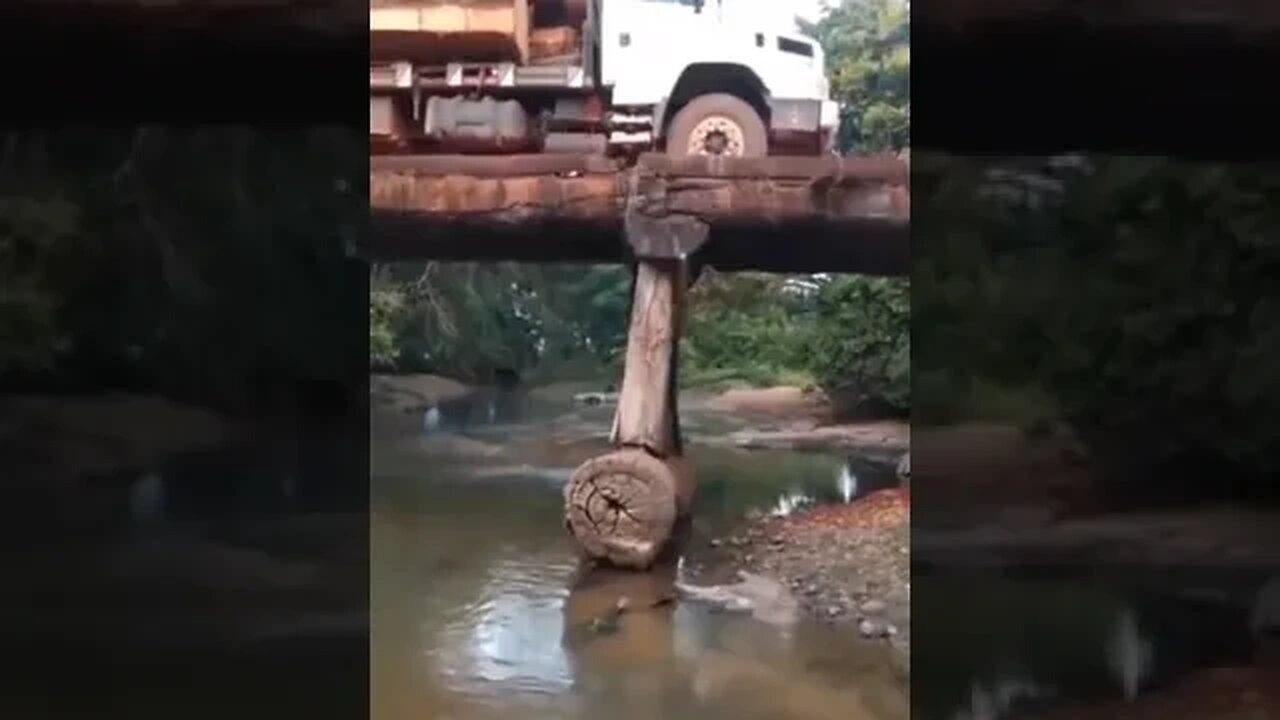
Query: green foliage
point(470, 319)
point(34, 235)
point(868, 47)
point(385, 307)
point(196, 259)
point(1135, 295)
point(743, 327)
point(861, 341)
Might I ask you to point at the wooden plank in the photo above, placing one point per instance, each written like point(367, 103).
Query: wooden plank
point(552, 42)
point(505, 166)
point(886, 168)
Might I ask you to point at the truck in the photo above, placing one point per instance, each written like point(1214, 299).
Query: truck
point(609, 77)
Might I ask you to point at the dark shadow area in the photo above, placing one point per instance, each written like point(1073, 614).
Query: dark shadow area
point(1027, 81)
point(1095, 389)
point(203, 61)
point(183, 420)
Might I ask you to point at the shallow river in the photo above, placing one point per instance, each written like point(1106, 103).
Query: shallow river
point(480, 610)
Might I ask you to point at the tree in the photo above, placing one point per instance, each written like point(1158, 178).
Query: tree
point(868, 48)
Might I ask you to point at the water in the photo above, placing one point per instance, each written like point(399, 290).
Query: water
point(989, 647)
point(480, 609)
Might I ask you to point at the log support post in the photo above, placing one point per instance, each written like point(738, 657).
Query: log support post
point(622, 507)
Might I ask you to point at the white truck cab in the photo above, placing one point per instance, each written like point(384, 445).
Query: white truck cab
point(696, 77)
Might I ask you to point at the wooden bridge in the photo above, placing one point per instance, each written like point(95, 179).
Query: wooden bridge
point(666, 215)
point(785, 214)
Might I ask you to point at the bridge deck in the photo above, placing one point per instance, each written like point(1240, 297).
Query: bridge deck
point(784, 214)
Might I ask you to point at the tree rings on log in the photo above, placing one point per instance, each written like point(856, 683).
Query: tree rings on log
point(622, 507)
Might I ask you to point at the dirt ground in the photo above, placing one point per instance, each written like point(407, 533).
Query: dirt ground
point(782, 402)
point(410, 393)
point(846, 564)
point(795, 418)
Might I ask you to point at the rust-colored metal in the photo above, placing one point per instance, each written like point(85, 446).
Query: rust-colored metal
point(785, 214)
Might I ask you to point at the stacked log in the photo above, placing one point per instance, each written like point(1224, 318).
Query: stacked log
point(443, 31)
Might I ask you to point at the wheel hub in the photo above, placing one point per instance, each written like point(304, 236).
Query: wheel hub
point(717, 135)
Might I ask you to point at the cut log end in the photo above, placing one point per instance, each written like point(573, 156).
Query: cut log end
point(621, 507)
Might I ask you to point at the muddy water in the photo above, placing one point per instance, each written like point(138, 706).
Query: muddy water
point(480, 610)
point(992, 647)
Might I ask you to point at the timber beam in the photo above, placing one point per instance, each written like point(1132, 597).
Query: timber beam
point(783, 214)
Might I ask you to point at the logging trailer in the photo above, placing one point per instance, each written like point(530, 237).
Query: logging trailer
point(598, 77)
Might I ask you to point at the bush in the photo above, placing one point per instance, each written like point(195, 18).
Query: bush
point(860, 349)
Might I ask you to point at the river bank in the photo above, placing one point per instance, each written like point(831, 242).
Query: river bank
point(847, 565)
point(767, 418)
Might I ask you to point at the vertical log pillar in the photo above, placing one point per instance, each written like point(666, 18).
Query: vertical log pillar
point(622, 507)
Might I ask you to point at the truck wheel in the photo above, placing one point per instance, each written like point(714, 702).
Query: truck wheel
point(718, 124)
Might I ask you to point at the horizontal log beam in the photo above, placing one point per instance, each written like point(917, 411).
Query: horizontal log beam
point(777, 214)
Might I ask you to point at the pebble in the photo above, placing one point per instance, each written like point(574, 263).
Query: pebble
point(871, 629)
point(715, 542)
point(872, 607)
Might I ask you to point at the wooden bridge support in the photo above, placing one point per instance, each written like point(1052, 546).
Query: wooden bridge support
point(782, 214)
point(622, 507)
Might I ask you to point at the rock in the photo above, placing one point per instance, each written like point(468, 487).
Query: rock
point(595, 398)
point(872, 607)
point(766, 599)
point(871, 629)
point(715, 542)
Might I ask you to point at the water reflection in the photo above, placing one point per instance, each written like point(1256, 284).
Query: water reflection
point(789, 502)
point(512, 635)
point(431, 419)
point(995, 700)
point(853, 481)
point(1129, 654)
point(847, 484)
point(993, 648)
point(480, 609)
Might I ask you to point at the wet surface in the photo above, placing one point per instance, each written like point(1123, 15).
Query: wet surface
point(990, 646)
point(480, 609)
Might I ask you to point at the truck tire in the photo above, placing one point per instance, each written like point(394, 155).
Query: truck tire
point(717, 124)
